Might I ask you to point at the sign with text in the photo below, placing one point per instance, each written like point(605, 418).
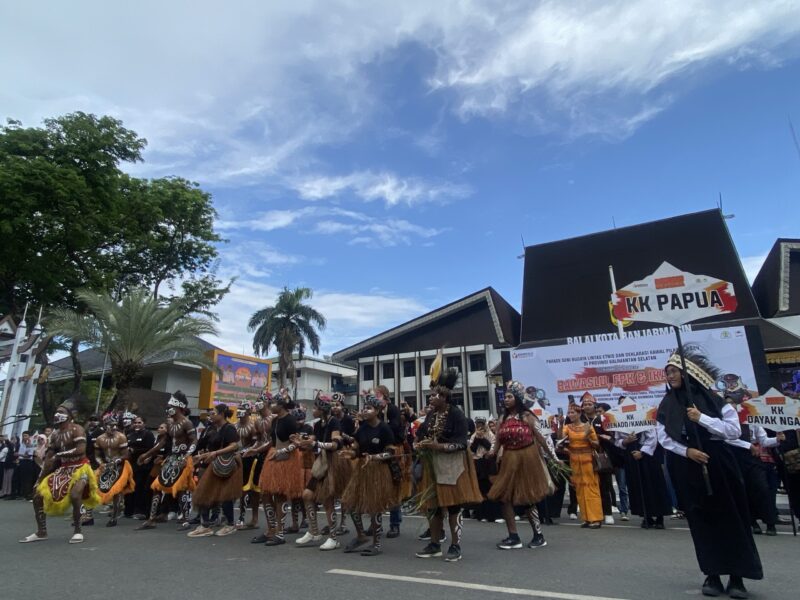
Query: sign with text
point(238, 378)
point(673, 297)
point(631, 417)
point(773, 411)
point(633, 366)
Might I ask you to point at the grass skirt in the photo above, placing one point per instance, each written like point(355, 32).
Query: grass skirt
point(464, 492)
point(335, 482)
point(406, 463)
point(252, 466)
point(371, 489)
point(124, 484)
point(283, 477)
point(184, 483)
point(213, 489)
point(55, 488)
point(522, 479)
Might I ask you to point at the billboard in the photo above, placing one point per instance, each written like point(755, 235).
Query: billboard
point(237, 378)
point(608, 367)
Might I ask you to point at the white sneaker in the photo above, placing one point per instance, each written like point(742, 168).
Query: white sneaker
point(624, 517)
point(200, 532)
point(614, 510)
point(330, 544)
point(32, 538)
point(171, 516)
point(77, 538)
point(308, 538)
point(499, 520)
point(225, 530)
point(609, 520)
point(573, 517)
point(516, 517)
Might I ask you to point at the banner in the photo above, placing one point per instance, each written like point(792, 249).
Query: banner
point(238, 378)
point(673, 297)
point(773, 411)
point(631, 417)
point(633, 367)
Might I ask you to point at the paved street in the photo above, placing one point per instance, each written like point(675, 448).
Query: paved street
point(619, 562)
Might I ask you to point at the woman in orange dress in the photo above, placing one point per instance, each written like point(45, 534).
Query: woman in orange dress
point(582, 442)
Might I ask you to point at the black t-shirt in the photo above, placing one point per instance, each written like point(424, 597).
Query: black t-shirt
point(219, 438)
point(391, 416)
point(140, 442)
point(325, 433)
point(348, 425)
point(283, 428)
point(373, 440)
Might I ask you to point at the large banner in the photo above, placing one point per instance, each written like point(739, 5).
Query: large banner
point(632, 367)
point(238, 378)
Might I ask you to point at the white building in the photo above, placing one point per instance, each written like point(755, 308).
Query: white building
point(315, 373)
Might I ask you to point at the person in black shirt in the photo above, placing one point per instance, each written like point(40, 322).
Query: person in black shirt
point(372, 488)
point(221, 482)
point(140, 440)
point(390, 414)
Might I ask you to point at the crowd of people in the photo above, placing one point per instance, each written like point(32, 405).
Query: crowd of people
point(701, 462)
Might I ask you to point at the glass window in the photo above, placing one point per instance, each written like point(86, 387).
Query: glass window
point(477, 362)
point(428, 362)
point(480, 400)
point(369, 372)
point(388, 370)
point(454, 362)
point(409, 368)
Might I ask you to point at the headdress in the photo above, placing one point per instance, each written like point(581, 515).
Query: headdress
point(516, 389)
point(480, 420)
point(178, 400)
point(69, 405)
point(338, 397)
point(698, 366)
point(299, 413)
point(588, 397)
point(264, 398)
point(372, 400)
point(322, 401)
point(442, 380)
point(282, 398)
point(246, 405)
point(110, 419)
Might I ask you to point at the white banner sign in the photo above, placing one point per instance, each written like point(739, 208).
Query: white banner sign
point(773, 411)
point(609, 367)
point(673, 297)
point(631, 417)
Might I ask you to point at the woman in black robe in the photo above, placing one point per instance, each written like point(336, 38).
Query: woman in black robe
point(647, 487)
point(719, 521)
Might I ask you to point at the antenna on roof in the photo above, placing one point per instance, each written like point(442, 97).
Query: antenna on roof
point(719, 205)
point(613, 221)
point(523, 246)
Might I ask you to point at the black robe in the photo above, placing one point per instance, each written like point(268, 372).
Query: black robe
point(647, 486)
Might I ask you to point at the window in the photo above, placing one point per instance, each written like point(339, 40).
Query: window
point(388, 370)
point(297, 373)
point(457, 399)
point(454, 362)
point(480, 400)
point(409, 368)
point(477, 362)
point(411, 401)
point(369, 372)
point(428, 362)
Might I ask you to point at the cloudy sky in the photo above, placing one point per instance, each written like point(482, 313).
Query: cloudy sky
point(393, 156)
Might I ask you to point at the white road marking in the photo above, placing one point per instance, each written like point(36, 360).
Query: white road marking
point(469, 586)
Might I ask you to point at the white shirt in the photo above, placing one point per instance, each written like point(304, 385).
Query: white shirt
point(726, 428)
point(648, 441)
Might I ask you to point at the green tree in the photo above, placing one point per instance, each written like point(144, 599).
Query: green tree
point(289, 325)
point(134, 331)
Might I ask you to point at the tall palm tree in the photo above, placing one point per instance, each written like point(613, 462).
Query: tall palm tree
point(290, 326)
point(134, 331)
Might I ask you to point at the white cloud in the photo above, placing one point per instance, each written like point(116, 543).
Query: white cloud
point(266, 221)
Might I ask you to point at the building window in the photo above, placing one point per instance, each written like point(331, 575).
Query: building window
point(480, 400)
point(388, 370)
point(297, 373)
point(454, 362)
point(409, 368)
point(457, 399)
point(477, 362)
point(411, 401)
point(428, 362)
point(369, 372)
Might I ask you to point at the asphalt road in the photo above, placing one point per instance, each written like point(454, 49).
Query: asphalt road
point(615, 562)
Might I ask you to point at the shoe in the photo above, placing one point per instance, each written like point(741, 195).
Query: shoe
point(325, 530)
point(274, 541)
point(678, 515)
point(712, 586)
point(225, 530)
point(757, 529)
point(308, 538)
point(371, 551)
point(330, 544)
point(425, 535)
point(771, 530)
point(354, 544)
point(538, 541)
point(184, 525)
point(195, 521)
point(430, 551)
point(200, 531)
point(171, 516)
point(573, 517)
point(453, 553)
point(645, 524)
point(34, 537)
point(394, 531)
point(77, 538)
point(595, 525)
point(614, 510)
point(111, 523)
point(624, 517)
point(736, 588)
point(516, 517)
point(293, 529)
point(259, 539)
point(139, 517)
point(608, 520)
point(499, 520)
point(147, 524)
point(512, 542)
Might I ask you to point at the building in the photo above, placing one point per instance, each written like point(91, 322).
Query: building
point(318, 374)
point(472, 332)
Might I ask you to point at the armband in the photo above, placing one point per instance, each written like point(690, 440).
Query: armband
point(191, 449)
point(453, 447)
point(327, 445)
point(382, 456)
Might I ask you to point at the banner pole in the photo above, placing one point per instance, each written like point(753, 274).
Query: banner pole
point(620, 329)
point(690, 402)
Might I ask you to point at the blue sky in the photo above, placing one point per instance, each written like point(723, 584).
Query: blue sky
point(391, 156)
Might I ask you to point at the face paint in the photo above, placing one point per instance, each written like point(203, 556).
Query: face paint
point(60, 417)
point(171, 411)
point(241, 413)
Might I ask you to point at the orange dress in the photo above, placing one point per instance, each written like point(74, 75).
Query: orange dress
point(584, 478)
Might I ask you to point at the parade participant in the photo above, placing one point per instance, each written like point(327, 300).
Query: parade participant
point(389, 413)
point(176, 475)
point(605, 479)
point(523, 479)
point(140, 440)
point(253, 442)
point(348, 427)
point(582, 442)
point(93, 430)
point(708, 482)
point(330, 474)
point(304, 432)
point(647, 487)
point(114, 473)
point(373, 487)
point(221, 482)
point(480, 445)
point(282, 475)
point(448, 476)
point(67, 478)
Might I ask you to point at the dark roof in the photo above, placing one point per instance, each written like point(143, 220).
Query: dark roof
point(480, 318)
point(777, 286)
point(566, 286)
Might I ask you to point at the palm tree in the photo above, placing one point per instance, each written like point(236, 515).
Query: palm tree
point(290, 326)
point(133, 331)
